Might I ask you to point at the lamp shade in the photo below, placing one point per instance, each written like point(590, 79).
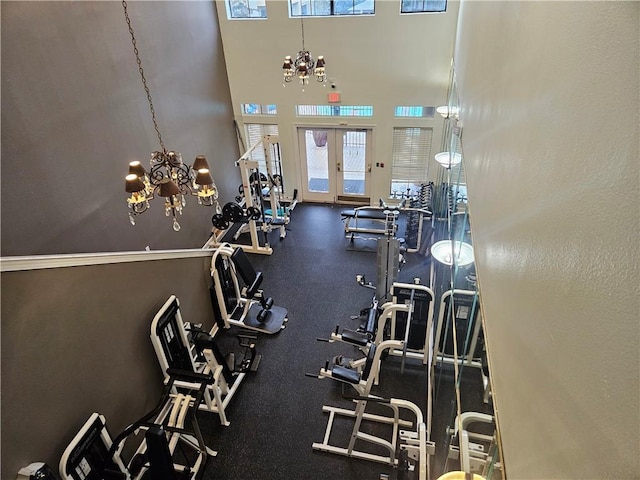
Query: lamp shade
point(446, 111)
point(461, 254)
point(204, 177)
point(200, 162)
point(136, 168)
point(320, 62)
point(133, 183)
point(448, 159)
point(168, 188)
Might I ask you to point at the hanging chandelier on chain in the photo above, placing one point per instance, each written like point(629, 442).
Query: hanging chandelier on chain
point(169, 177)
point(304, 65)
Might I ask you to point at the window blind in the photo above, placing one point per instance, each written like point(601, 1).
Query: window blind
point(410, 155)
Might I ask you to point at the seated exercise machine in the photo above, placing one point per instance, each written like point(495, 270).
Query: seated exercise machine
point(93, 455)
point(409, 315)
point(180, 345)
point(363, 337)
point(412, 437)
point(245, 307)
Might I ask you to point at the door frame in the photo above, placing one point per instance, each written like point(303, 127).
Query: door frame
point(335, 195)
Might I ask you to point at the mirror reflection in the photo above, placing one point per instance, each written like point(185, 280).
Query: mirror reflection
point(469, 441)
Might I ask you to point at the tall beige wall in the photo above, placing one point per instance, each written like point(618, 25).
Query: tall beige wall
point(550, 99)
point(382, 60)
point(74, 113)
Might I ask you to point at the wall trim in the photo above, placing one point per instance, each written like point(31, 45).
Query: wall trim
point(40, 262)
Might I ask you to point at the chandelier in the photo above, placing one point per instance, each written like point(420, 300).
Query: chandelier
point(169, 177)
point(304, 65)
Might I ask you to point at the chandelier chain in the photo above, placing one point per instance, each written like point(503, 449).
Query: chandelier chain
point(144, 80)
point(302, 28)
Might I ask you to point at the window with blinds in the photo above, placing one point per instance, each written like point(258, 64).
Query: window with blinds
point(422, 6)
point(257, 109)
point(334, 110)
point(414, 111)
point(326, 8)
point(410, 156)
point(253, 134)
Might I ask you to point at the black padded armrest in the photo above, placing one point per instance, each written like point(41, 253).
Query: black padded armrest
point(372, 320)
point(356, 338)
point(345, 374)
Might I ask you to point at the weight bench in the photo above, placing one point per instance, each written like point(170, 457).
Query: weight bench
point(369, 215)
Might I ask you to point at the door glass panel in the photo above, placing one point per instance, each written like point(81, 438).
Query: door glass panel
point(317, 161)
point(354, 162)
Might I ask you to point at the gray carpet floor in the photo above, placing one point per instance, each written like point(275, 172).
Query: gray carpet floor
point(277, 413)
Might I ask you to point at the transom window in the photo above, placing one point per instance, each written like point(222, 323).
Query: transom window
point(414, 111)
point(246, 9)
point(257, 109)
point(423, 6)
point(326, 8)
point(334, 111)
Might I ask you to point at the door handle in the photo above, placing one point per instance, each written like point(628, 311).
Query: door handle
point(338, 166)
point(369, 168)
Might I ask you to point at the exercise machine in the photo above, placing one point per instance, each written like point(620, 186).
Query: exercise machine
point(261, 205)
point(280, 205)
point(415, 326)
point(180, 345)
point(459, 309)
point(389, 258)
point(477, 452)
point(172, 449)
point(415, 435)
point(236, 296)
point(408, 317)
point(383, 220)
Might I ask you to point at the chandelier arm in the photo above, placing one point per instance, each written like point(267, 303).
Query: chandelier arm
point(141, 70)
point(183, 178)
point(159, 173)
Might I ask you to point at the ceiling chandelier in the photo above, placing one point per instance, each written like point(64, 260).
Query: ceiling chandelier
point(304, 65)
point(169, 176)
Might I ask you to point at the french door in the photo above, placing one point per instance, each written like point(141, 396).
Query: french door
point(335, 164)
